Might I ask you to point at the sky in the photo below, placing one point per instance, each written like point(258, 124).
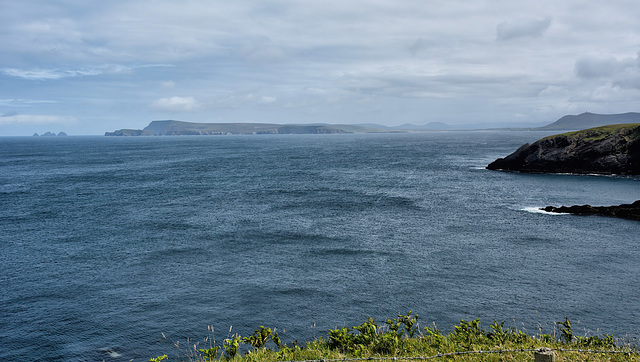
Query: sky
point(87, 67)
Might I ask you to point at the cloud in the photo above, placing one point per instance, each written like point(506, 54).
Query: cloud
point(553, 91)
point(320, 58)
point(316, 91)
point(522, 28)
point(599, 66)
point(47, 74)
point(409, 82)
point(114, 69)
point(60, 73)
point(616, 72)
point(605, 93)
point(176, 104)
point(267, 100)
point(24, 102)
point(261, 50)
point(419, 45)
point(168, 84)
point(13, 118)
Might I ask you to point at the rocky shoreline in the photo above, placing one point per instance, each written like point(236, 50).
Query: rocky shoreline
point(609, 150)
point(625, 211)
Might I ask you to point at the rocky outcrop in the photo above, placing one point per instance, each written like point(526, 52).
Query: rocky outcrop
point(613, 149)
point(625, 211)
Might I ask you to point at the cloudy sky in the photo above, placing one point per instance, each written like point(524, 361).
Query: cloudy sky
point(86, 67)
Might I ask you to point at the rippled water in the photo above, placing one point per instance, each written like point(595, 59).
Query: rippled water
point(105, 243)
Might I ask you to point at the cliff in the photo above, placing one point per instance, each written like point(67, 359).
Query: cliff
point(613, 149)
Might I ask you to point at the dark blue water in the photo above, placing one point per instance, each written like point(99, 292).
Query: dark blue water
point(106, 243)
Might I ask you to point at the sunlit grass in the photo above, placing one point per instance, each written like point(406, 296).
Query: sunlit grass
point(402, 337)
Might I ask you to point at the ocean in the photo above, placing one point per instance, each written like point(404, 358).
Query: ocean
point(115, 248)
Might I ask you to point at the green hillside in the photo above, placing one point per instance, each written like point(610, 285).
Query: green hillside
point(590, 120)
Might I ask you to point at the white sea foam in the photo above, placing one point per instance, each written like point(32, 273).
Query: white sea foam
point(111, 353)
point(538, 210)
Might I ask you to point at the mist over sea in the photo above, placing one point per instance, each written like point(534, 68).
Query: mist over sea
point(106, 243)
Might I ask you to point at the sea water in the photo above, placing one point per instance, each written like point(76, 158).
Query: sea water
point(117, 248)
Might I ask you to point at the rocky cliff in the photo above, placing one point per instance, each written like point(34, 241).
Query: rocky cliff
point(613, 149)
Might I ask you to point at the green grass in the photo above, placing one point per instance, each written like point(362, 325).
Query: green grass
point(597, 133)
point(402, 337)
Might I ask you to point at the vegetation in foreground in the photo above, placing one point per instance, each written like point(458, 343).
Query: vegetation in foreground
point(402, 337)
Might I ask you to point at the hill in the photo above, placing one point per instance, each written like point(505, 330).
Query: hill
point(613, 149)
point(590, 120)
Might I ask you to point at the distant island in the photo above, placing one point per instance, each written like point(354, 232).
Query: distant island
point(48, 134)
point(609, 150)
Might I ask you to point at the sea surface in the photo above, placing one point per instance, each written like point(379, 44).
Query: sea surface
point(115, 248)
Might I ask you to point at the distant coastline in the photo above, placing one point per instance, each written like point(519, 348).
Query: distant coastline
point(180, 128)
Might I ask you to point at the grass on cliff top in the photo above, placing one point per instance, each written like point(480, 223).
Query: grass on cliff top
point(402, 337)
point(598, 133)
